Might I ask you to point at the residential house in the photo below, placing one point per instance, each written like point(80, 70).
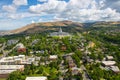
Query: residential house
point(20, 48)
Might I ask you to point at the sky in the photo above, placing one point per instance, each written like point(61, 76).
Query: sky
point(18, 13)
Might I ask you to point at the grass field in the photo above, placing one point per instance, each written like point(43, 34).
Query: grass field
point(2, 78)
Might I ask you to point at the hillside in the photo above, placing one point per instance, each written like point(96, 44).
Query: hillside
point(106, 24)
point(49, 26)
point(68, 26)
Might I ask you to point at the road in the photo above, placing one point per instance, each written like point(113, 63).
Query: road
point(85, 74)
point(5, 53)
point(2, 50)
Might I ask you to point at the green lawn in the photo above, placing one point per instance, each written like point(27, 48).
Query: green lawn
point(2, 78)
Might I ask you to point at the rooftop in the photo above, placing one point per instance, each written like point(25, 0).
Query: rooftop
point(20, 59)
point(115, 69)
point(11, 67)
point(53, 56)
point(108, 63)
point(109, 57)
point(6, 71)
point(20, 45)
point(36, 78)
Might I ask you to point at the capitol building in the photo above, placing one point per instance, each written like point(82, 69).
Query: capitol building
point(60, 34)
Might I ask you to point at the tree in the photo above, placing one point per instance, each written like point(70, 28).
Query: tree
point(16, 76)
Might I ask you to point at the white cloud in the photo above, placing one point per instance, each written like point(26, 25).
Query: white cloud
point(20, 15)
point(77, 10)
point(9, 8)
point(15, 4)
point(114, 4)
point(102, 3)
point(40, 20)
point(20, 2)
point(42, 0)
point(15, 16)
point(73, 4)
point(51, 6)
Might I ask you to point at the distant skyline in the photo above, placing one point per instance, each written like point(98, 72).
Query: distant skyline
point(18, 13)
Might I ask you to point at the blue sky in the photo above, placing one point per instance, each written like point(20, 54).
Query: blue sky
point(18, 13)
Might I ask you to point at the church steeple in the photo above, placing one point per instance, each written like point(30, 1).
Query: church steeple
point(60, 30)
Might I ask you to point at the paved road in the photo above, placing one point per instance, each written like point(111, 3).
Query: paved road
point(85, 74)
point(2, 50)
point(5, 53)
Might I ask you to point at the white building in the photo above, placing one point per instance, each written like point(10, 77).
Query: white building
point(4, 72)
point(6, 69)
point(108, 63)
point(115, 69)
point(60, 34)
point(12, 41)
point(109, 57)
point(11, 67)
point(37, 78)
point(53, 57)
point(20, 59)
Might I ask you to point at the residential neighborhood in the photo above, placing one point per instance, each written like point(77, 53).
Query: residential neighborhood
point(73, 57)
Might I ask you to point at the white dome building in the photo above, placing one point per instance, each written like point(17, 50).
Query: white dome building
point(60, 34)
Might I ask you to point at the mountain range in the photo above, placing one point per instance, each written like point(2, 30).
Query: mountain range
point(68, 26)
